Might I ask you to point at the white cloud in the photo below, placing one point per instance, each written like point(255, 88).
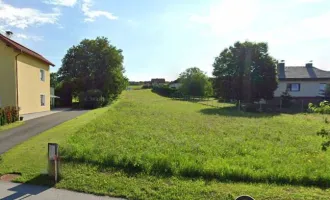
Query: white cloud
point(307, 29)
point(68, 3)
point(27, 37)
point(92, 14)
point(25, 17)
point(229, 16)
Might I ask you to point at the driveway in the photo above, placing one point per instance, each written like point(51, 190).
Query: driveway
point(11, 191)
point(30, 128)
point(27, 117)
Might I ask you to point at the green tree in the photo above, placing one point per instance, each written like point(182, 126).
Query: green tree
point(195, 83)
point(94, 64)
point(326, 92)
point(53, 79)
point(245, 71)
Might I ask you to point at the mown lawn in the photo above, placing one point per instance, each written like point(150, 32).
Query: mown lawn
point(135, 87)
point(150, 147)
point(10, 126)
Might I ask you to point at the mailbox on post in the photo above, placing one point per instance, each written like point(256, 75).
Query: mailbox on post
point(53, 161)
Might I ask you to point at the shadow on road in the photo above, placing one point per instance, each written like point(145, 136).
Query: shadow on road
point(26, 190)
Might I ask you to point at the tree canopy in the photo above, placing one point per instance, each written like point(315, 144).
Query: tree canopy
point(195, 83)
point(53, 79)
point(94, 64)
point(245, 71)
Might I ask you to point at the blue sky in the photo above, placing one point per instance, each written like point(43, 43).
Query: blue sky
point(161, 38)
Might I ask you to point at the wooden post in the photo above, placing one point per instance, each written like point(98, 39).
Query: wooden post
point(280, 104)
point(302, 105)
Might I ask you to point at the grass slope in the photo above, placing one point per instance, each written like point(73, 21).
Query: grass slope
point(158, 136)
point(10, 126)
point(150, 147)
point(30, 157)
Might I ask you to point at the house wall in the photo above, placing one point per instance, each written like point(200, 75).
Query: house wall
point(30, 87)
point(307, 88)
point(7, 76)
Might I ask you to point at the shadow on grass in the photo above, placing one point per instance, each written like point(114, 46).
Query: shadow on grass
point(233, 112)
point(42, 179)
point(161, 169)
point(29, 188)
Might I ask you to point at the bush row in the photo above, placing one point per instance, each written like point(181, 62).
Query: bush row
point(323, 107)
point(164, 90)
point(8, 115)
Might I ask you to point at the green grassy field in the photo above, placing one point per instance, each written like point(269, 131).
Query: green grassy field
point(10, 126)
point(135, 87)
point(150, 147)
point(158, 136)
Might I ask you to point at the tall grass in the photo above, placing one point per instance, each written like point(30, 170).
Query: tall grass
point(148, 133)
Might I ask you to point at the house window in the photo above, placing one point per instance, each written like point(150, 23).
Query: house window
point(322, 87)
point(42, 75)
point(293, 87)
point(42, 100)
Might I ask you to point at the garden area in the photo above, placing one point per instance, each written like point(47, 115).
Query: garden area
point(9, 118)
point(145, 146)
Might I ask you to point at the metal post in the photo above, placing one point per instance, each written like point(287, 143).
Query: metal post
point(302, 105)
point(53, 161)
point(280, 104)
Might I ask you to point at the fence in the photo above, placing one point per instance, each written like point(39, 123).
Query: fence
point(276, 105)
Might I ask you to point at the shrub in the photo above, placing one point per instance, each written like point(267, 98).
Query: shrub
point(91, 99)
point(164, 90)
point(8, 115)
point(324, 134)
point(286, 99)
point(146, 87)
point(323, 108)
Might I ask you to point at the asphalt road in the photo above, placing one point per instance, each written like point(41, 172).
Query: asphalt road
point(30, 128)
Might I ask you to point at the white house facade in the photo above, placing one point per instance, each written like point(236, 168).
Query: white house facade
point(301, 81)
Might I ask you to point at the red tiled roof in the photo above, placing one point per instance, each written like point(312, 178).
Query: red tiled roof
point(24, 49)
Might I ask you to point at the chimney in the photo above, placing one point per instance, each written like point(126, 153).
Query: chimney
point(309, 64)
point(281, 65)
point(9, 34)
point(280, 69)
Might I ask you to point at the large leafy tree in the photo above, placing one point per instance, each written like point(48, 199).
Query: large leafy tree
point(53, 79)
point(245, 71)
point(195, 83)
point(94, 64)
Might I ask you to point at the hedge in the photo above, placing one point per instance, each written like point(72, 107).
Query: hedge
point(8, 115)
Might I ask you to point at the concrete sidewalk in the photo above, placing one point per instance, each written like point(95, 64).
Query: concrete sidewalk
point(11, 191)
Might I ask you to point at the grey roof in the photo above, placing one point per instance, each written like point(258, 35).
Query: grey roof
point(302, 72)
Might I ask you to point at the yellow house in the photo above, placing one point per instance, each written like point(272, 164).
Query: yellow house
point(24, 78)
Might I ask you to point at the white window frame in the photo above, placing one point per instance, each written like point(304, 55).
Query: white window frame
point(42, 75)
point(42, 100)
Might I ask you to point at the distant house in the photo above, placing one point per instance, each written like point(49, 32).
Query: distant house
point(305, 82)
point(175, 84)
point(24, 77)
point(158, 81)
